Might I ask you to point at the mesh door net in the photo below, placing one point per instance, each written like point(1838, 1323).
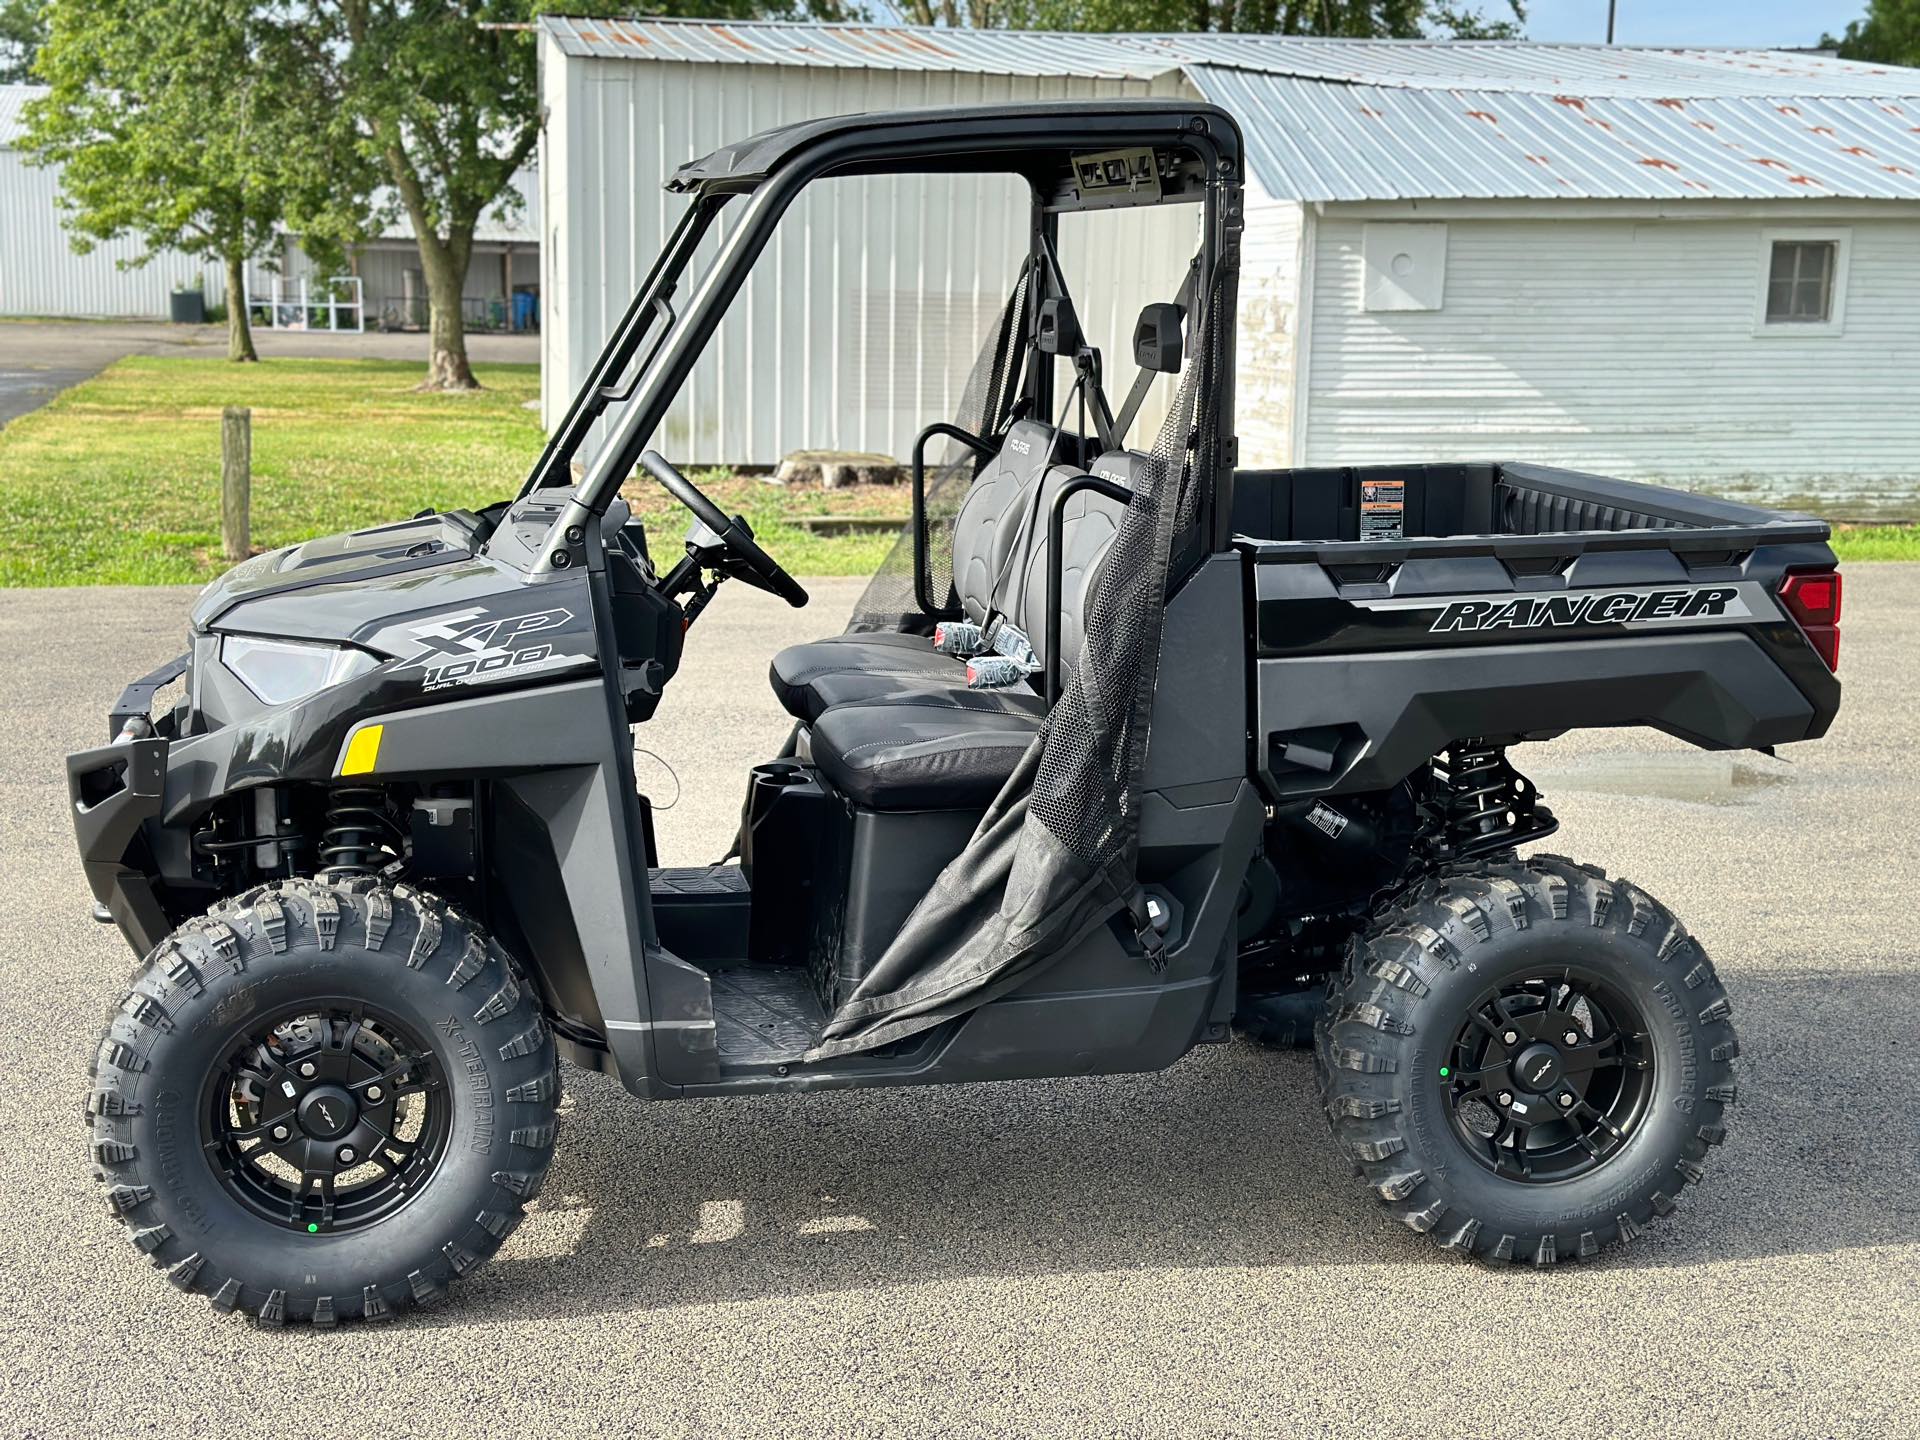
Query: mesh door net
point(1055, 854)
point(890, 600)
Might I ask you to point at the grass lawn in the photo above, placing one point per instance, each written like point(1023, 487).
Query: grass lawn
point(1854, 543)
point(117, 482)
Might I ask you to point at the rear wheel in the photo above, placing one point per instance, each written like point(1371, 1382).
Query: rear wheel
point(1527, 1060)
point(324, 1101)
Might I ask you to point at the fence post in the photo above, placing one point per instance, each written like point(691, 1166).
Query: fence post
point(236, 481)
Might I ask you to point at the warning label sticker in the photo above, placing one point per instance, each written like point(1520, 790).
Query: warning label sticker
point(1383, 509)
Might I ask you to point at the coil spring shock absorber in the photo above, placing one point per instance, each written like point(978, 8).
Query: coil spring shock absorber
point(353, 842)
point(1479, 786)
point(1489, 804)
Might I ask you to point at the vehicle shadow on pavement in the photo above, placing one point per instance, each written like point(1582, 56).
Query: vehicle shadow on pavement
point(1222, 1161)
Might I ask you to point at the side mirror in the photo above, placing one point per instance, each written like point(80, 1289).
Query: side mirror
point(1157, 340)
point(1059, 328)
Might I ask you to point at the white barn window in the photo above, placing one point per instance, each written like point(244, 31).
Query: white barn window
point(1802, 281)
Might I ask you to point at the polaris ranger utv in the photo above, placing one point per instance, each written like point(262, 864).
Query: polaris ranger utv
point(387, 860)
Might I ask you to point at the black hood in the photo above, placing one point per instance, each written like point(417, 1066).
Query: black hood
point(424, 543)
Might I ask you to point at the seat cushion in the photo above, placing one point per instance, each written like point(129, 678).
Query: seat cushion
point(930, 755)
point(863, 687)
point(992, 533)
point(883, 654)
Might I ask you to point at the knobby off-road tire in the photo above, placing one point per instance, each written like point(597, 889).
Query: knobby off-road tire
point(1404, 1000)
point(410, 966)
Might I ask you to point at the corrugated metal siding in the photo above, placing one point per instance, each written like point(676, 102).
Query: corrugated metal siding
point(1269, 331)
point(861, 319)
point(1318, 141)
point(1628, 348)
point(41, 275)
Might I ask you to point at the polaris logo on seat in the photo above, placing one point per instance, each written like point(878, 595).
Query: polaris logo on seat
point(1603, 607)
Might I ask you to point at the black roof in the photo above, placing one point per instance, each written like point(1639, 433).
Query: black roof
point(1031, 138)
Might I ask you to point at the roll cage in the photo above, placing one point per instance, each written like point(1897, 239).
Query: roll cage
point(1066, 152)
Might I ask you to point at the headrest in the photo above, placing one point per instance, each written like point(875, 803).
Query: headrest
point(1032, 445)
point(1058, 331)
point(1157, 338)
point(1126, 467)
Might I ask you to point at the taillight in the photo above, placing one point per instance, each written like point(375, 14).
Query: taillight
point(1813, 599)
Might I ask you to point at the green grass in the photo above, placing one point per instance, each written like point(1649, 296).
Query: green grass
point(1855, 543)
point(117, 481)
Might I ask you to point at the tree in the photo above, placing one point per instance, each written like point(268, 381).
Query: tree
point(1462, 22)
point(23, 30)
point(442, 98)
point(174, 122)
point(1349, 19)
point(1889, 34)
point(432, 105)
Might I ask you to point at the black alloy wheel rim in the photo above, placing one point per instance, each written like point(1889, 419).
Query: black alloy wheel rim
point(1548, 1076)
point(326, 1118)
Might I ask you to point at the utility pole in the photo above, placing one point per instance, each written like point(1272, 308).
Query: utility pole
point(1611, 4)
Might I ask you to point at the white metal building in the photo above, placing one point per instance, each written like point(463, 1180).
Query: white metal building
point(1699, 266)
point(41, 275)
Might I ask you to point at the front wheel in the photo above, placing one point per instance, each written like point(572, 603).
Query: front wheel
point(323, 1101)
point(1527, 1061)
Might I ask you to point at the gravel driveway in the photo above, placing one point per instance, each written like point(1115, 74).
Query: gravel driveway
point(1171, 1254)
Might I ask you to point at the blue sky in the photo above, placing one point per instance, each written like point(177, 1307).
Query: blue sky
point(1763, 23)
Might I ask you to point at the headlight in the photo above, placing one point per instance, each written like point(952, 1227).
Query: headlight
point(277, 671)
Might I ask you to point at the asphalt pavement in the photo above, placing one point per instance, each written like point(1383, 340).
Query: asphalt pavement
point(1172, 1254)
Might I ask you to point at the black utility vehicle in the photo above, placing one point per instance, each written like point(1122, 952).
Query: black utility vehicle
point(387, 861)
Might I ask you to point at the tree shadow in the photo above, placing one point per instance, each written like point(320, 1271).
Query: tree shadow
point(1222, 1161)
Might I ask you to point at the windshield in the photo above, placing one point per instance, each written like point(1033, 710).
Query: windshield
point(869, 290)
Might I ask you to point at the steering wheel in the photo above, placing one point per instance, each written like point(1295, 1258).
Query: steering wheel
point(744, 557)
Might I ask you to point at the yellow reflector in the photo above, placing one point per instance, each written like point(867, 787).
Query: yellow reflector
point(363, 750)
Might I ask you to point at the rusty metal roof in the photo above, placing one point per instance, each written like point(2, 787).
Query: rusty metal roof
point(1419, 64)
point(1310, 140)
point(872, 47)
point(13, 101)
point(1396, 119)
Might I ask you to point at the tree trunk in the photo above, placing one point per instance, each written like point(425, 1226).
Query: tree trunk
point(447, 367)
point(239, 331)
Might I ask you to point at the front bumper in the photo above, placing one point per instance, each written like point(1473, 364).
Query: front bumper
point(114, 791)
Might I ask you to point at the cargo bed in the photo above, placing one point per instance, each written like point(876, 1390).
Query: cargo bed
point(1395, 607)
point(1507, 508)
